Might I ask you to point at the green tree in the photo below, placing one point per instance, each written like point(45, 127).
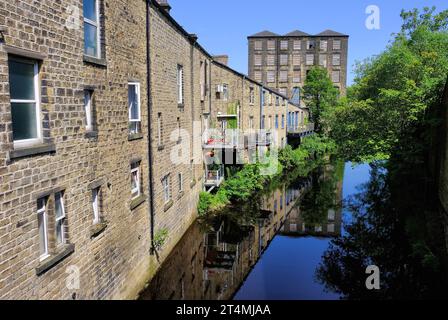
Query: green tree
point(319, 95)
point(387, 106)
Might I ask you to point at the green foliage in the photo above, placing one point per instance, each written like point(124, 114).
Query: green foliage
point(393, 91)
point(242, 185)
point(320, 96)
point(232, 109)
point(160, 238)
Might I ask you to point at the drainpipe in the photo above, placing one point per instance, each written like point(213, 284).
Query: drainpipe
point(149, 111)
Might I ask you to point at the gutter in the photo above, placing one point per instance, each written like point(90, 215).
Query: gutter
point(149, 111)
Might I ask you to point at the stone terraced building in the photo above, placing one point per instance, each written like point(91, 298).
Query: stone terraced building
point(104, 115)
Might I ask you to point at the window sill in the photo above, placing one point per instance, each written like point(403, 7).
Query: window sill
point(32, 151)
point(95, 61)
point(97, 229)
point(137, 202)
point(180, 195)
point(135, 136)
point(53, 260)
point(91, 134)
point(168, 205)
point(160, 147)
point(180, 105)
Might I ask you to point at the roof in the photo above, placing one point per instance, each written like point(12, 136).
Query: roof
point(264, 34)
point(331, 33)
point(296, 33)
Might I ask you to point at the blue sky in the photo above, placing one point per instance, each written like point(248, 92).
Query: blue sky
point(223, 26)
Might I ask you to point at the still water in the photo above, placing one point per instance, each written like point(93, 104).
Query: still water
point(267, 249)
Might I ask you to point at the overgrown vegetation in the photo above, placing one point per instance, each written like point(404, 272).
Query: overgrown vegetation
point(245, 183)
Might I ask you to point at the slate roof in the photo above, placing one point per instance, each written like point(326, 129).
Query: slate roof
point(263, 34)
point(296, 33)
point(331, 33)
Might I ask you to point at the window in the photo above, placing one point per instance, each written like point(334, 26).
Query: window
point(296, 60)
point(295, 95)
point(270, 123)
point(277, 101)
point(42, 226)
point(225, 92)
point(284, 45)
point(281, 202)
point(283, 76)
point(251, 95)
point(276, 121)
point(96, 205)
point(335, 76)
point(166, 189)
point(309, 59)
point(91, 28)
point(336, 61)
point(296, 76)
point(284, 59)
point(134, 107)
point(336, 44)
point(251, 122)
point(179, 137)
point(257, 76)
point(297, 45)
point(310, 45)
point(323, 45)
point(283, 91)
point(88, 109)
point(192, 171)
point(258, 45)
point(283, 121)
point(181, 182)
point(59, 218)
point(271, 60)
point(25, 102)
point(258, 60)
point(323, 60)
point(270, 76)
point(203, 76)
point(135, 180)
point(271, 44)
point(263, 120)
point(180, 84)
point(159, 129)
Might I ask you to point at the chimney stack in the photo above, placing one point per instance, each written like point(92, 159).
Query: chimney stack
point(165, 5)
point(223, 59)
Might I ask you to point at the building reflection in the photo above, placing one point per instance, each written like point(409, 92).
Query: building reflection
point(214, 257)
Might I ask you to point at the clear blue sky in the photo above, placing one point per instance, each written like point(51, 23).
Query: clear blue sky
point(223, 26)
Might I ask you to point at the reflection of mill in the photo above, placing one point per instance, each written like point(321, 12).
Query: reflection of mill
point(330, 224)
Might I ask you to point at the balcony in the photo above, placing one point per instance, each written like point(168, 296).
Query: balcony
point(264, 138)
point(213, 178)
point(222, 139)
point(302, 130)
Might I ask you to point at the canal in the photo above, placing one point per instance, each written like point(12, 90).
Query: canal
point(305, 238)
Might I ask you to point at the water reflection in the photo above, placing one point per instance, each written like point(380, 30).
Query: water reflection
point(393, 226)
point(216, 255)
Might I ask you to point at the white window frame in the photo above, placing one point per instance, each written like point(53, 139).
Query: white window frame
point(136, 192)
point(88, 109)
point(283, 76)
point(258, 45)
point(297, 45)
point(225, 92)
point(270, 76)
point(336, 59)
point(61, 218)
point(258, 75)
point(166, 189)
point(139, 120)
point(42, 211)
point(296, 76)
point(270, 46)
point(284, 59)
point(338, 46)
point(284, 44)
point(258, 60)
point(36, 101)
point(270, 60)
point(96, 205)
point(96, 24)
point(180, 84)
point(309, 62)
point(323, 60)
point(323, 45)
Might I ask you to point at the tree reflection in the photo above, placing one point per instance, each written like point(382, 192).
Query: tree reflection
point(385, 232)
